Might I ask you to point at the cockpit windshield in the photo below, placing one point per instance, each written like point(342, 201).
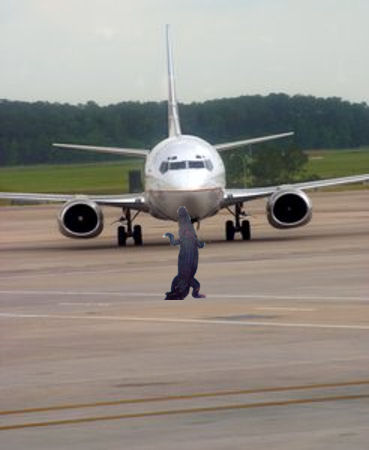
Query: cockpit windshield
point(178, 165)
point(196, 164)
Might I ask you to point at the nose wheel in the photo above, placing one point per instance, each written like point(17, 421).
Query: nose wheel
point(238, 226)
point(127, 231)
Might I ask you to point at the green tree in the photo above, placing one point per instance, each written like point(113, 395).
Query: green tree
point(273, 165)
point(28, 129)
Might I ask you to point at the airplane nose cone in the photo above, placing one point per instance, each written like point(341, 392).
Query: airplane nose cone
point(187, 180)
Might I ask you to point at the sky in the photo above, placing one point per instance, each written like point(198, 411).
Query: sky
point(110, 51)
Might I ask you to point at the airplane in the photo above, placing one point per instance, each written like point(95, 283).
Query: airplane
point(182, 170)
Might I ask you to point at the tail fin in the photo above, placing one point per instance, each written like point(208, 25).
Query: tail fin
point(174, 127)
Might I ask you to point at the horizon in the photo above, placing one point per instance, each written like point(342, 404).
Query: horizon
point(100, 105)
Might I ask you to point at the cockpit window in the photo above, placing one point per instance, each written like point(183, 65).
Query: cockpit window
point(209, 164)
point(163, 167)
point(177, 165)
point(196, 164)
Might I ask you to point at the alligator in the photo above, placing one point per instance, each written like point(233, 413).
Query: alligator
point(188, 258)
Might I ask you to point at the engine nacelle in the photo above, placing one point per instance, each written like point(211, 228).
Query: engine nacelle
point(289, 208)
point(81, 218)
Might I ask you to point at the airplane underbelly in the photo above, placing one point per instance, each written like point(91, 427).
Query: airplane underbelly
point(200, 203)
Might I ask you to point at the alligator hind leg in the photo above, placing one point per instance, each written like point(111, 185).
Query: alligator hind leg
point(196, 289)
point(175, 291)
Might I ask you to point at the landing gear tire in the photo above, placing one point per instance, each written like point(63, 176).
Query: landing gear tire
point(122, 236)
point(237, 226)
point(137, 234)
point(230, 230)
point(245, 230)
point(123, 233)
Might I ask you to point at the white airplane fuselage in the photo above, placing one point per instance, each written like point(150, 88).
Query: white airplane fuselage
point(184, 171)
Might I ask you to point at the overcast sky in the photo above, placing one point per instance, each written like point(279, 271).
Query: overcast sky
point(114, 50)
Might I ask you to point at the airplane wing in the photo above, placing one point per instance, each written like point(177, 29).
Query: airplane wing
point(134, 201)
point(232, 196)
point(231, 145)
point(114, 150)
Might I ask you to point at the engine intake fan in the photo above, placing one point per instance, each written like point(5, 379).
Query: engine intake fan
point(288, 208)
point(81, 219)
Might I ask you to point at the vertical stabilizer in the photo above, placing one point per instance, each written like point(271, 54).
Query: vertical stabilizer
point(174, 127)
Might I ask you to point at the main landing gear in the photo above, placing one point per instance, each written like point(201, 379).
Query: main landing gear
point(123, 232)
point(237, 226)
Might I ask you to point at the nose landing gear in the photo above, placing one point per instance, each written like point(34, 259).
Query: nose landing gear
point(238, 226)
point(125, 232)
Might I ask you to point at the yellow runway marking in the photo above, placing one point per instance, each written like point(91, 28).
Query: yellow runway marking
point(184, 411)
point(187, 397)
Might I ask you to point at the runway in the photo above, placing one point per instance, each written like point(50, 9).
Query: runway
point(277, 354)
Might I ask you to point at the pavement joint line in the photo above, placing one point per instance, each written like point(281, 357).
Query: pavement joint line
point(185, 411)
point(9, 315)
point(151, 294)
point(188, 396)
point(84, 304)
point(284, 308)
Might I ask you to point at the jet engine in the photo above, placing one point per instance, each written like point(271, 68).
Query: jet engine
point(81, 218)
point(289, 208)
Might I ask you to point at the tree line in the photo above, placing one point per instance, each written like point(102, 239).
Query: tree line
point(27, 129)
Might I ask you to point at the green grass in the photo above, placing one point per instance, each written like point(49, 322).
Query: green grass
point(337, 163)
point(112, 178)
point(109, 178)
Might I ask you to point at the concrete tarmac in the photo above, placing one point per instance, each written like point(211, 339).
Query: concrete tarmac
point(276, 356)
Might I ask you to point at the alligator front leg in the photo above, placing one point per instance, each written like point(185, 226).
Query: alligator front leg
point(172, 240)
point(200, 244)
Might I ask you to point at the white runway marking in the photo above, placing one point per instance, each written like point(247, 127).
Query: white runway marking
point(186, 321)
point(210, 295)
point(83, 293)
point(291, 297)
